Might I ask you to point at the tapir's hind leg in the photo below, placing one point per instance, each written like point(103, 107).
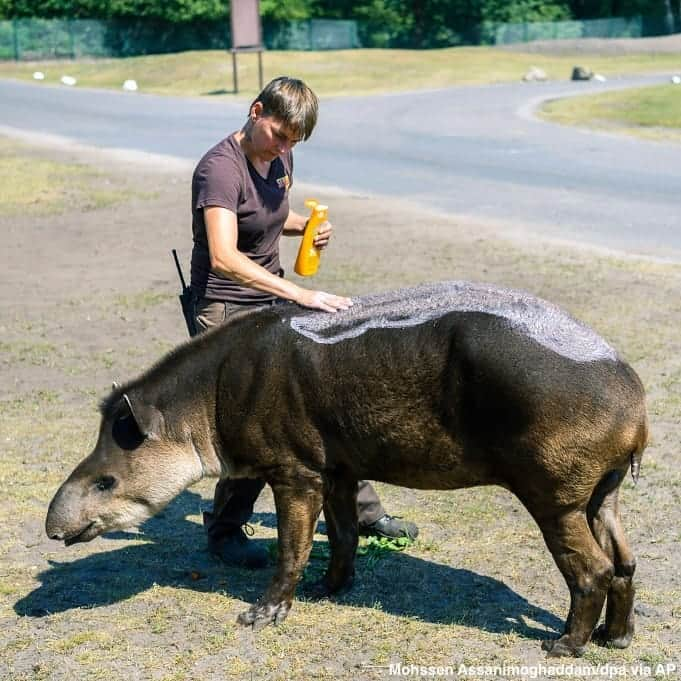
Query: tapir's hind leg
point(298, 507)
point(604, 518)
point(340, 513)
point(588, 573)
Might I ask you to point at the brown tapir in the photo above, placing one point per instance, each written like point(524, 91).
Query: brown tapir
point(438, 387)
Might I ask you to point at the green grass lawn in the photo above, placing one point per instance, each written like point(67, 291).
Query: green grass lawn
point(330, 72)
point(653, 112)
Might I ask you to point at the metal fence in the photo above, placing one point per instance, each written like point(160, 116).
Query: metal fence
point(316, 34)
point(26, 39)
point(630, 27)
point(74, 38)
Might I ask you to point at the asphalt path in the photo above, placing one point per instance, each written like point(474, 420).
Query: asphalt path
point(470, 151)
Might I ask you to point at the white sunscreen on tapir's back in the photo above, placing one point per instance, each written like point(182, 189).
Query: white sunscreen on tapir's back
point(536, 318)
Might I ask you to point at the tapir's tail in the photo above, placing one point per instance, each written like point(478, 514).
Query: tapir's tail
point(636, 464)
point(637, 454)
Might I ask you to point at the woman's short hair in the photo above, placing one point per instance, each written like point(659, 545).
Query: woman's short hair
point(292, 102)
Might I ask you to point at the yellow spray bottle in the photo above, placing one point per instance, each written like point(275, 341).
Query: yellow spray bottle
point(307, 261)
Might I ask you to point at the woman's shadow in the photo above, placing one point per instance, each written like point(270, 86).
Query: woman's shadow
point(177, 556)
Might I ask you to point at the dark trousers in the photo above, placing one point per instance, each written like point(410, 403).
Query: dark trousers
point(234, 499)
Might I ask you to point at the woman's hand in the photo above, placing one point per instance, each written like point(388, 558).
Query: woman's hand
point(323, 235)
point(321, 300)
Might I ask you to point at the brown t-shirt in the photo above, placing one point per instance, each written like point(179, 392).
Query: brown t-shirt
point(225, 177)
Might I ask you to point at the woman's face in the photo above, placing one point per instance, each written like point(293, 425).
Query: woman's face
point(269, 136)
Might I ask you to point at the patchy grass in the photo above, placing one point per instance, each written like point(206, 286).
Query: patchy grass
point(33, 353)
point(342, 72)
point(478, 587)
point(650, 112)
point(43, 186)
point(141, 300)
point(102, 641)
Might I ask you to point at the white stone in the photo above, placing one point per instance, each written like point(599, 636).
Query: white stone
point(676, 80)
point(535, 74)
point(130, 85)
point(68, 80)
point(38, 75)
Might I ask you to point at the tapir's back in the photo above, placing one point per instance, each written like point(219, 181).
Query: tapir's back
point(538, 319)
point(427, 370)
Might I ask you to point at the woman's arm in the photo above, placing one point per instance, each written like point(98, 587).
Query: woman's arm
point(228, 261)
point(295, 224)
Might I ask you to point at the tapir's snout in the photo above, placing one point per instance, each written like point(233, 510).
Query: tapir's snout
point(67, 519)
point(84, 535)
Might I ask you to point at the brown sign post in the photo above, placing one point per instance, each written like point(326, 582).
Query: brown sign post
point(246, 34)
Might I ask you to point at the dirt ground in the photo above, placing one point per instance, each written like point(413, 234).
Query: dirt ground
point(89, 295)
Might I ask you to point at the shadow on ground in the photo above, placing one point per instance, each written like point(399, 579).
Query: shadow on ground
point(171, 552)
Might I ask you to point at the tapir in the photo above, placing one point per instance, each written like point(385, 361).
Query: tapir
point(441, 386)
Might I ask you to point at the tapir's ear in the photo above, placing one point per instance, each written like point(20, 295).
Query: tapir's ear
point(133, 425)
point(115, 385)
point(146, 416)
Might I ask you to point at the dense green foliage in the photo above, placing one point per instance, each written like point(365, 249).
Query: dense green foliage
point(170, 10)
point(408, 23)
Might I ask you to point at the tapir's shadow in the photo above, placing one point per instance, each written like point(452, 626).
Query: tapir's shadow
point(398, 583)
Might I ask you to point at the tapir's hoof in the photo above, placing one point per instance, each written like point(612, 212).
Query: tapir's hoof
point(317, 591)
point(561, 647)
point(260, 615)
point(322, 588)
point(603, 638)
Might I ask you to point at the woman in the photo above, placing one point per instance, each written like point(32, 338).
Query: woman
point(239, 212)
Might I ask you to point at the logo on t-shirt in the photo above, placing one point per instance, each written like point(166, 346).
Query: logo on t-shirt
point(284, 182)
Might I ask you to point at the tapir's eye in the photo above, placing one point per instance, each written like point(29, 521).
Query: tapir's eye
point(105, 482)
point(126, 433)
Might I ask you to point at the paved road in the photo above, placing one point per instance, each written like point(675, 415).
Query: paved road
point(473, 151)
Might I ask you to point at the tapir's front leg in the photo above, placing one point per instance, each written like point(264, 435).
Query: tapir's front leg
point(298, 506)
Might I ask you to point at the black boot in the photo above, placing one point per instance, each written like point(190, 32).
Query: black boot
point(234, 547)
point(391, 527)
